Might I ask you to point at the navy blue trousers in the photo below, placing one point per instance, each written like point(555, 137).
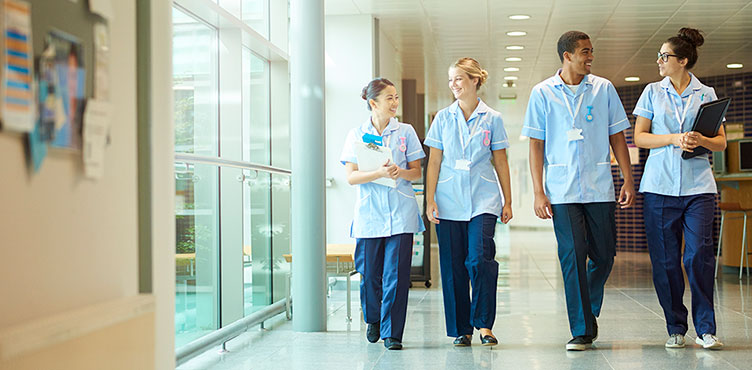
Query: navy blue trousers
point(585, 231)
point(666, 217)
point(467, 256)
point(384, 264)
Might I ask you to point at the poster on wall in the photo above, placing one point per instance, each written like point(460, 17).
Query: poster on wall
point(16, 90)
point(66, 83)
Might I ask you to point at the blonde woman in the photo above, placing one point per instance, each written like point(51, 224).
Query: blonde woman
point(467, 162)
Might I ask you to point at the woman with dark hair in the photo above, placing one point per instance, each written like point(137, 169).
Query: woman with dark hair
point(467, 167)
point(679, 193)
point(385, 217)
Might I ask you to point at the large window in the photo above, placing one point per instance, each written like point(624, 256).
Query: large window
point(232, 208)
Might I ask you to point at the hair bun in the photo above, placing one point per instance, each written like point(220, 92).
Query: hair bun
point(483, 76)
point(364, 93)
point(692, 35)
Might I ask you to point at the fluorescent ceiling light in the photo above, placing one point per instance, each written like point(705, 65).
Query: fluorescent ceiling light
point(519, 17)
point(511, 69)
point(516, 33)
point(631, 79)
point(513, 59)
point(734, 65)
point(515, 47)
point(510, 78)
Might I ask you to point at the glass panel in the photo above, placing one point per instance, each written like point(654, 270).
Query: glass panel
point(256, 15)
point(194, 66)
point(196, 258)
point(257, 230)
point(256, 128)
point(280, 235)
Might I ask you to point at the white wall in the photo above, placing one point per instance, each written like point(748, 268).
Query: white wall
point(349, 67)
point(390, 64)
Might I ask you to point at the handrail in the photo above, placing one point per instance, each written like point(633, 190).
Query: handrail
point(193, 158)
point(224, 334)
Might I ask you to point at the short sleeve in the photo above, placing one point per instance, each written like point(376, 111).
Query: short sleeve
point(433, 138)
point(348, 153)
point(618, 121)
point(499, 138)
point(644, 106)
point(534, 125)
point(414, 147)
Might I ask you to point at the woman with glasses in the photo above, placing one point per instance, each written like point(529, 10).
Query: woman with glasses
point(463, 200)
point(679, 193)
point(386, 216)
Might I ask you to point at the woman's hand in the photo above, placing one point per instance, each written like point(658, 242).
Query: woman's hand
point(693, 139)
point(506, 213)
point(432, 212)
point(542, 206)
point(393, 171)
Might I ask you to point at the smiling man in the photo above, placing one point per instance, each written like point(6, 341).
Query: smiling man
point(572, 118)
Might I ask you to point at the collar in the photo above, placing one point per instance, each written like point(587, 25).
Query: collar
point(368, 128)
point(482, 108)
point(694, 85)
point(556, 80)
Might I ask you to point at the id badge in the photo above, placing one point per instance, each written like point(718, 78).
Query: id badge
point(462, 164)
point(575, 134)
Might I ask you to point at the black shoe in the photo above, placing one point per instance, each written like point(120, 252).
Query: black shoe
point(392, 343)
point(372, 333)
point(488, 340)
point(579, 343)
point(462, 341)
point(595, 329)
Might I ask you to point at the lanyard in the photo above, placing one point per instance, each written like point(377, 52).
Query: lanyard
point(569, 106)
point(681, 118)
point(473, 129)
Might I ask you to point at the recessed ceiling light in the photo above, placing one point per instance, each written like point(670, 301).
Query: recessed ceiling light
point(515, 47)
point(734, 65)
point(519, 17)
point(516, 33)
point(631, 79)
point(513, 59)
point(510, 78)
point(511, 69)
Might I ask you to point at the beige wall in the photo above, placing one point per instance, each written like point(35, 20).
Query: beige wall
point(67, 243)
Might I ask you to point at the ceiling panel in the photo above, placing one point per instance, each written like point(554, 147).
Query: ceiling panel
point(430, 34)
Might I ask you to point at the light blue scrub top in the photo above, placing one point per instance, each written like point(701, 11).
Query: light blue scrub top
point(577, 171)
point(666, 173)
point(464, 194)
point(382, 211)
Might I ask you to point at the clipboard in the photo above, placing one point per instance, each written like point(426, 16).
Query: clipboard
point(707, 122)
point(371, 157)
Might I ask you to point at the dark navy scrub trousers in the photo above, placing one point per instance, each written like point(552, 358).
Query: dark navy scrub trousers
point(467, 257)
point(586, 234)
point(666, 217)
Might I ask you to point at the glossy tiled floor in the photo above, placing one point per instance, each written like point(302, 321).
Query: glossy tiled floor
point(531, 325)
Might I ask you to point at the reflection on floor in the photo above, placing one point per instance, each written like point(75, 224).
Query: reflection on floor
point(531, 324)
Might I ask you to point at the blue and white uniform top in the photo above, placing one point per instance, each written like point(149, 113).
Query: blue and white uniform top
point(382, 211)
point(467, 185)
point(576, 129)
point(666, 173)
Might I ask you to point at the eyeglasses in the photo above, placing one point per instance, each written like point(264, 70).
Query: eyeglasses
point(664, 56)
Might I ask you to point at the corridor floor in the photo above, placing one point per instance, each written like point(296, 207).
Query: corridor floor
point(531, 325)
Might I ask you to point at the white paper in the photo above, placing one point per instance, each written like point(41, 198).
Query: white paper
point(371, 159)
point(101, 62)
point(103, 8)
point(96, 127)
point(17, 92)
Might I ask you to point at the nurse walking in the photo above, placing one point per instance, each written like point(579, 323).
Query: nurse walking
point(467, 163)
point(572, 118)
point(679, 193)
point(385, 218)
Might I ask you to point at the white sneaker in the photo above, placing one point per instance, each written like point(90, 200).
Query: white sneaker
point(709, 341)
point(675, 341)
